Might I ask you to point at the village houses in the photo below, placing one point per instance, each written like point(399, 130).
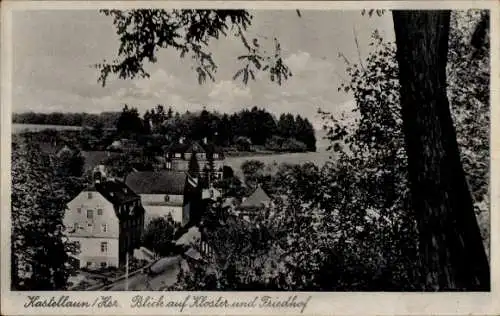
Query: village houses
point(106, 220)
point(178, 155)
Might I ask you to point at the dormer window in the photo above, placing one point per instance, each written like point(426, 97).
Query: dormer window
point(216, 156)
point(89, 195)
point(177, 155)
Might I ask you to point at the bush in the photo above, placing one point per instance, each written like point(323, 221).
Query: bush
point(293, 145)
point(159, 235)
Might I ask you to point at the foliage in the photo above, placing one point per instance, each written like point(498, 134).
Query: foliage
point(69, 163)
point(470, 103)
point(253, 170)
point(256, 125)
point(40, 251)
point(120, 165)
point(143, 32)
point(129, 122)
point(158, 235)
point(348, 225)
point(104, 119)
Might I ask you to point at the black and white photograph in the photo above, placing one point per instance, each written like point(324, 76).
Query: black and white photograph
point(249, 149)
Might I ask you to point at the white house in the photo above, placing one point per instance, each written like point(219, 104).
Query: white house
point(106, 220)
point(161, 192)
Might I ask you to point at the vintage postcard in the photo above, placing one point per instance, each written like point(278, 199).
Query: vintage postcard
point(250, 158)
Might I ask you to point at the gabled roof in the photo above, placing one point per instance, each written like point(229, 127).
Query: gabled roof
point(256, 199)
point(193, 147)
point(115, 192)
point(186, 147)
point(95, 158)
point(157, 182)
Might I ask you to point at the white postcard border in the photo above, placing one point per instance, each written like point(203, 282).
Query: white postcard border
point(341, 303)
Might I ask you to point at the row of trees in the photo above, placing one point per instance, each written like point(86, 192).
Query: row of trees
point(257, 125)
point(103, 120)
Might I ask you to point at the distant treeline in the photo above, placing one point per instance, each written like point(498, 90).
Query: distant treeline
point(245, 129)
point(104, 119)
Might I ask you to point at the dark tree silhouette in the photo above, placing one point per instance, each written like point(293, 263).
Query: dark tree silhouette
point(129, 122)
point(450, 241)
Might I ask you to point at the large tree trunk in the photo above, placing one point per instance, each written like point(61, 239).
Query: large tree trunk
point(451, 248)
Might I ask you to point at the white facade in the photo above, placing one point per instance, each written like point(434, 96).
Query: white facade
point(160, 205)
point(91, 221)
point(97, 252)
point(160, 198)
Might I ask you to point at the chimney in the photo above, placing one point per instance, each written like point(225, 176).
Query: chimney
point(204, 140)
point(181, 140)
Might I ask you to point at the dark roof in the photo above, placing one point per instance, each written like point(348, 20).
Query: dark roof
point(193, 146)
point(95, 158)
point(115, 192)
point(212, 148)
point(256, 199)
point(157, 182)
point(186, 146)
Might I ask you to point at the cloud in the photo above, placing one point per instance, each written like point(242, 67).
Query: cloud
point(229, 96)
point(229, 91)
point(301, 62)
point(313, 85)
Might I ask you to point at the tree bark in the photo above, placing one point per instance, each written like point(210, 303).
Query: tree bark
point(450, 244)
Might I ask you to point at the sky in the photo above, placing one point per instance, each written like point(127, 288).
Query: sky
point(54, 50)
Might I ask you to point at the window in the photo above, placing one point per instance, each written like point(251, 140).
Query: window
point(168, 165)
point(79, 210)
point(99, 211)
point(202, 156)
point(167, 198)
point(104, 246)
point(89, 195)
point(90, 227)
point(216, 156)
point(90, 214)
point(103, 264)
point(177, 155)
point(104, 228)
point(75, 226)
